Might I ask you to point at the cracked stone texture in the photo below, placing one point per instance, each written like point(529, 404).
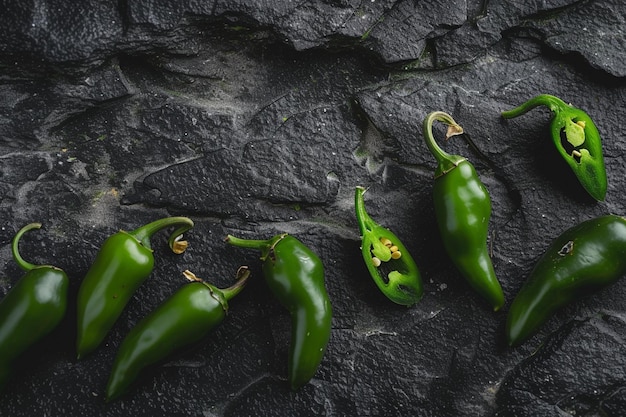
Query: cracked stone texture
point(255, 118)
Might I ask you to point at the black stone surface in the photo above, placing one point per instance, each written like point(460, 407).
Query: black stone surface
point(255, 118)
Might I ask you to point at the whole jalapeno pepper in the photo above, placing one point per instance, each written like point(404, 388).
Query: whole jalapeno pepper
point(577, 139)
point(184, 319)
point(33, 307)
point(295, 275)
point(463, 209)
point(581, 260)
point(388, 261)
point(123, 263)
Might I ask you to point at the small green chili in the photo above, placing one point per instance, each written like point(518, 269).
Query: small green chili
point(577, 139)
point(388, 261)
point(184, 319)
point(295, 275)
point(581, 260)
point(463, 209)
point(31, 309)
point(123, 263)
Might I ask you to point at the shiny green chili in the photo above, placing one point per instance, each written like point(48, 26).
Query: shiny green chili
point(123, 263)
point(581, 260)
point(184, 319)
point(31, 309)
point(463, 209)
point(577, 139)
point(295, 275)
point(388, 261)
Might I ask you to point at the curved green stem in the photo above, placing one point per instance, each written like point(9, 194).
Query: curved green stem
point(265, 246)
point(555, 104)
point(26, 266)
point(367, 227)
point(144, 233)
point(364, 220)
point(243, 273)
point(445, 161)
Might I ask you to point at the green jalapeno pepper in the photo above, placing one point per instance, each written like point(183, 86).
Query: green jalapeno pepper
point(33, 307)
point(123, 263)
point(185, 318)
point(388, 261)
point(295, 275)
point(581, 260)
point(463, 209)
point(577, 139)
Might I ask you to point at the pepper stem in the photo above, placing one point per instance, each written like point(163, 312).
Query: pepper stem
point(445, 161)
point(144, 233)
point(243, 273)
point(26, 266)
point(555, 104)
point(367, 226)
point(364, 220)
point(265, 246)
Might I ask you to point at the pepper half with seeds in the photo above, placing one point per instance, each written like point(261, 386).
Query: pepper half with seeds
point(389, 263)
point(577, 139)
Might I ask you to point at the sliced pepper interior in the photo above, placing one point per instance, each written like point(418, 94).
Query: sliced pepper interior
point(388, 261)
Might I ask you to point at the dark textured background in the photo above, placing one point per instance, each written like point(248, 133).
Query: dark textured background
point(255, 118)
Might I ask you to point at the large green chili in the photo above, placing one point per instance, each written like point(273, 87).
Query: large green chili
point(185, 318)
point(123, 263)
point(31, 309)
point(295, 275)
point(463, 209)
point(581, 260)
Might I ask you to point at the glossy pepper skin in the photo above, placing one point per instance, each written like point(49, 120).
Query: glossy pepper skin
point(184, 319)
point(577, 139)
point(295, 275)
point(123, 263)
point(581, 260)
point(463, 209)
point(33, 307)
point(388, 261)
